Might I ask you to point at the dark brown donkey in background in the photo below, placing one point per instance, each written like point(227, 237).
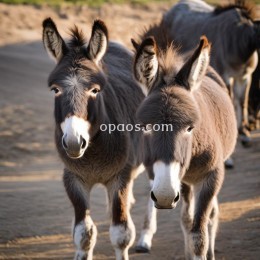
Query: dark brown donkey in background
point(235, 37)
point(188, 159)
point(93, 85)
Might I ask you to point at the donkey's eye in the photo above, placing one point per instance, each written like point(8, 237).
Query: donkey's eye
point(95, 91)
point(55, 90)
point(190, 128)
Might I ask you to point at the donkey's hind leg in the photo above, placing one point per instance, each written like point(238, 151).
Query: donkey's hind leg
point(187, 213)
point(213, 226)
point(122, 229)
point(84, 230)
point(241, 91)
point(150, 224)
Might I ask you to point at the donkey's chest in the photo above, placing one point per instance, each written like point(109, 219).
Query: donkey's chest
point(196, 173)
point(92, 172)
point(97, 165)
point(201, 164)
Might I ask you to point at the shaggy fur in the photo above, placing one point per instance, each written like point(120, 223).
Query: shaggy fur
point(188, 94)
point(93, 80)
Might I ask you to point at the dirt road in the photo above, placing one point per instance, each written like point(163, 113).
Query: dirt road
point(35, 214)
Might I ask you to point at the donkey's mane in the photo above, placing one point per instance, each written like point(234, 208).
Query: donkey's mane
point(77, 37)
point(158, 31)
point(246, 7)
point(170, 60)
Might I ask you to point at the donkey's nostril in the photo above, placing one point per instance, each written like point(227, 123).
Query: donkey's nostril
point(177, 197)
point(84, 143)
point(65, 146)
point(153, 197)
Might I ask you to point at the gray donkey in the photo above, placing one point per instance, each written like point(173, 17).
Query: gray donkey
point(93, 85)
point(235, 37)
point(188, 159)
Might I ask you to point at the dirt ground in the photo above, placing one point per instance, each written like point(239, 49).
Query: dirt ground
point(35, 213)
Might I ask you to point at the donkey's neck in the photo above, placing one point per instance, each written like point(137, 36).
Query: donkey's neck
point(244, 39)
point(110, 112)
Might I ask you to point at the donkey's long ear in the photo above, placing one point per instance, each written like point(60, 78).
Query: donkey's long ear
point(146, 64)
point(98, 42)
point(193, 71)
point(52, 40)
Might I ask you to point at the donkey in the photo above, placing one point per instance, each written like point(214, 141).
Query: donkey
point(93, 85)
point(235, 37)
point(186, 160)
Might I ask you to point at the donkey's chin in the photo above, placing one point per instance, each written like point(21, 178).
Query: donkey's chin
point(75, 156)
point(172, 206)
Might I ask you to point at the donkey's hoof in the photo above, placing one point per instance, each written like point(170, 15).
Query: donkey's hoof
point(246, 141)
point(80, 255)
point(229, 163)
point(142, 249)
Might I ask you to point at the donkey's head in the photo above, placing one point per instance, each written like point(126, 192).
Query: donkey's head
point(170, 86)
point(77, 81)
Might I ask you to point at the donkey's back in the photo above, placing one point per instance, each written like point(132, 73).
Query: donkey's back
point(119, 65)
point(181, 20)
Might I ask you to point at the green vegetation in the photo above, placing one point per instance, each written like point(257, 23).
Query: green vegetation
point(89, 2)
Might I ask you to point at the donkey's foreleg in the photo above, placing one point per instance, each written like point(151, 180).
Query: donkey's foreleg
point(149, 227)
point(213, 226)
point(84, 230)
point(205, 192)
point(122, 229)
point(187, 213)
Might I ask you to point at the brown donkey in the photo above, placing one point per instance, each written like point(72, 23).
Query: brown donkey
point(188, 159)
point(93, 86)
